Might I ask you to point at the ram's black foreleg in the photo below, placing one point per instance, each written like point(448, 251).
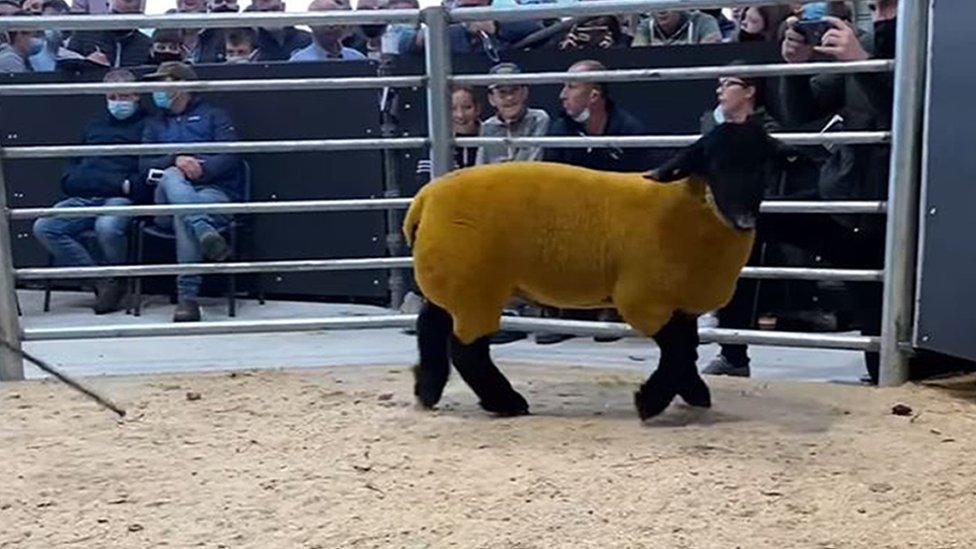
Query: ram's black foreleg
point(495, 393)
point(677, 373)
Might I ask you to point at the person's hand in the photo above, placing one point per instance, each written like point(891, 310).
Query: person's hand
point(571, 42)
point(98, 56)
point(794, 48)
point(841, 42)
point(487, 27)
point(190, 167)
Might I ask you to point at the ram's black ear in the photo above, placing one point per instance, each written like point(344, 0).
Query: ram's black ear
point(686, 161)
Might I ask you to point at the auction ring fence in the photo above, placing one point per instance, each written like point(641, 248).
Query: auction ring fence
point(900, 208)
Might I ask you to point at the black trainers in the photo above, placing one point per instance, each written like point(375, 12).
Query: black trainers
point(551, 339)
point(214, 246)
point(110, 295)
point(187, 310)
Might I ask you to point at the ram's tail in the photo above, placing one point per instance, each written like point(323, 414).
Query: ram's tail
point(412, 220)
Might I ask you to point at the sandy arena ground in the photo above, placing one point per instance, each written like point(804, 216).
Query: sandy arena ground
point(341, 458)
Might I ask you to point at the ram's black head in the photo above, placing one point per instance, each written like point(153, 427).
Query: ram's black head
point(737, 161)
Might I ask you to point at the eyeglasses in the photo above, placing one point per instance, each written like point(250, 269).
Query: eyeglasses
point(729, 82)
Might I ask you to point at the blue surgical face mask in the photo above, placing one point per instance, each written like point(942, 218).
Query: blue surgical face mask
point(121, 109)
point(162, 99)
point(812, 12)
point(719, 115)
point(36, 45)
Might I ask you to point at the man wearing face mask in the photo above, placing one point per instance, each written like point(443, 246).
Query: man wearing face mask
point(100, 181)
point(46, 60)
point(327, 39)
point(862, 102)
point(587, 110)
point(167, 45)
point(19, 47)
point(114, 48)
point(277, 44)
point(186, 179)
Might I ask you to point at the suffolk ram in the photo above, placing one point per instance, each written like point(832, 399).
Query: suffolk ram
point(662, 247)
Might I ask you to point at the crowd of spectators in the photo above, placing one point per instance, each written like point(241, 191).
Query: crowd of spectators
point(853, 102)
point(42, 51)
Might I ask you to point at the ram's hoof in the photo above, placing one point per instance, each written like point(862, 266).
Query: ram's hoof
point(651, 401)
point(696, 393)
point(510, 405)
point(427, 387)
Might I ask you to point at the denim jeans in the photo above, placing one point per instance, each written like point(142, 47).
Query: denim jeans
point(173, 188)
point(62, 236)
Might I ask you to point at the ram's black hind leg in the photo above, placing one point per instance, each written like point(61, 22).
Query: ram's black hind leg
point(434, 326)
point(676, 373)
point(495, 393)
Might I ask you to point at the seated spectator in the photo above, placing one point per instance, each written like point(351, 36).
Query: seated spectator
point(466, 109)
point(46, 60)
point(186, 179)
point(20, 45)
point(401, 37)
point(277, 44)
point(676, 27)
point(726, 26)
point(240, 45)
point(93, 7)
point(602, 32)
point(513, 118)
point(210, 42)
point(100, 181)
point(190, 36)
point(367, 39)
point(588, 110)
point(167, 45)
point(762, 24)
point(487, 37)
point(327, 39)
point(114, 48)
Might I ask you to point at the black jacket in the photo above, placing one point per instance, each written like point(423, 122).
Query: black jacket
point(200, 122)
point(614, 159)
point(103, 176)
point(211, 47)
point(269, 49)
point(123, 48)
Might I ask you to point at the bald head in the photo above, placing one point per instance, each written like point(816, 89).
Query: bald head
point(329, 37)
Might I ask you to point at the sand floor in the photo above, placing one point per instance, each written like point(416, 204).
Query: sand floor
point(341, 458)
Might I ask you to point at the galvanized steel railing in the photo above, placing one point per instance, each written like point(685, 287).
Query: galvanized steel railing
point(908, 68)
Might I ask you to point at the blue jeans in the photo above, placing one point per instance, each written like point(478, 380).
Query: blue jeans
point(62, 236)
point(173, 188)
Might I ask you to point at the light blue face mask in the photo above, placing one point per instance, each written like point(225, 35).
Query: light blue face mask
point(812, 12)
point(719, 115)
point(36, 46)
point(162, 99)
point(121, 109)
